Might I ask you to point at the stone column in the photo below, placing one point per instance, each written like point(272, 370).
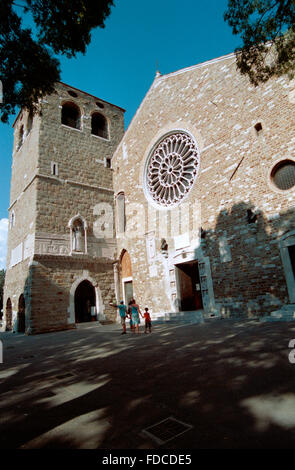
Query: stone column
point(116, 280)
point(117, 285)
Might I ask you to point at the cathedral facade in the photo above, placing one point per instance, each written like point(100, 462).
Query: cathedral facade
point(190, 212)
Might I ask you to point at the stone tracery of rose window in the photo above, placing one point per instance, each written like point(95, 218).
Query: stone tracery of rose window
point(172, 169)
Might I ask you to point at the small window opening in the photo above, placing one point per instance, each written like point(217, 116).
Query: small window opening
point(283, 175)
point(73, 94)
point(29, 122)
point(203, 233)
point(20, 137)
point(251, 217)
point(108, 163)
point(164, 247)
point(100, 105)
point(54, 169)
point(258, 128)
point(70, 115)
point(12, 220)
point(99, 125)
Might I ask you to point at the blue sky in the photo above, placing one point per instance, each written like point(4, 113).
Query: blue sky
point(121, 61)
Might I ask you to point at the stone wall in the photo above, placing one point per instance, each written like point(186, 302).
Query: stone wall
point(219, 108)
point(24, 156)
point(20, 248)
point(53, 285)
point(59, 173)
point(22, 210)
point(234, 221)
point(79, 154)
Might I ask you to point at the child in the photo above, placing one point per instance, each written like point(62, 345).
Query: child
point(148, 322)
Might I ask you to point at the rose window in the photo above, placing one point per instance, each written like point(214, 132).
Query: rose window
point(172, 169)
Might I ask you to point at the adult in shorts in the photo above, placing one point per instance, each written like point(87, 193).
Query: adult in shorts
point(123, 312)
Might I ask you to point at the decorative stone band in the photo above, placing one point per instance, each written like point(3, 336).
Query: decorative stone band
point(61, 181)
point(172, 169)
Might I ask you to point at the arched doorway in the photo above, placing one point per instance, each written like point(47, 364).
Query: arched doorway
point(85, 302)
point(21, 314)
point(126, 276)
point(189, 286)
point(287, 249)
point(8, 315)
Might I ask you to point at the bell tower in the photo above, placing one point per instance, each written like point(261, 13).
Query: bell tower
point(61, 229)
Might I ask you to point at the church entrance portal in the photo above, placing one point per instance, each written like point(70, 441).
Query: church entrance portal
point(189, 287)
point(85, 302)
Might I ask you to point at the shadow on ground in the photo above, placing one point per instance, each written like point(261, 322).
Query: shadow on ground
point(93, 388)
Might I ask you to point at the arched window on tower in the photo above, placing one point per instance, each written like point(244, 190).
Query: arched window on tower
point(78, 234)
point(99, 125)
point(71, 115)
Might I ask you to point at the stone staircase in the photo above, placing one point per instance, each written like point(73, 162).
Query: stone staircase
point(286, 313)
point(196, 316)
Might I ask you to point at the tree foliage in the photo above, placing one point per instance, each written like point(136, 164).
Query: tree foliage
point(267, 29)
point(28, 63)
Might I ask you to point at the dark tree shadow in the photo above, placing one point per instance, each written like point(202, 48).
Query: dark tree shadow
point(231, 379)
point(248, 278)
point(89, 388)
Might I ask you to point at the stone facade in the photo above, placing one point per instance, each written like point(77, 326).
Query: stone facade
point(233, 223)
point(61, 177)
point(199, 222)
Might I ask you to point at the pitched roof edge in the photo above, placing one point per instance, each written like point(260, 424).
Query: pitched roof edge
point(159, 78)
point(156, 79)
point(92, 96)
point(198, 66)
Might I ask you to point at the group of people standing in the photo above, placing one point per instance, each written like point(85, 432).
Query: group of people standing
point(133, 312)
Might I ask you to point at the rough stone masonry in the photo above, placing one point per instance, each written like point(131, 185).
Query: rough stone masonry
point(191, 210)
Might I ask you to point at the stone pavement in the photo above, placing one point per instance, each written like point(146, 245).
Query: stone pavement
point(230, 380)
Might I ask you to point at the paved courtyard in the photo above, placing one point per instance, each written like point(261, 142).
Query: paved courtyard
point(230, 381)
